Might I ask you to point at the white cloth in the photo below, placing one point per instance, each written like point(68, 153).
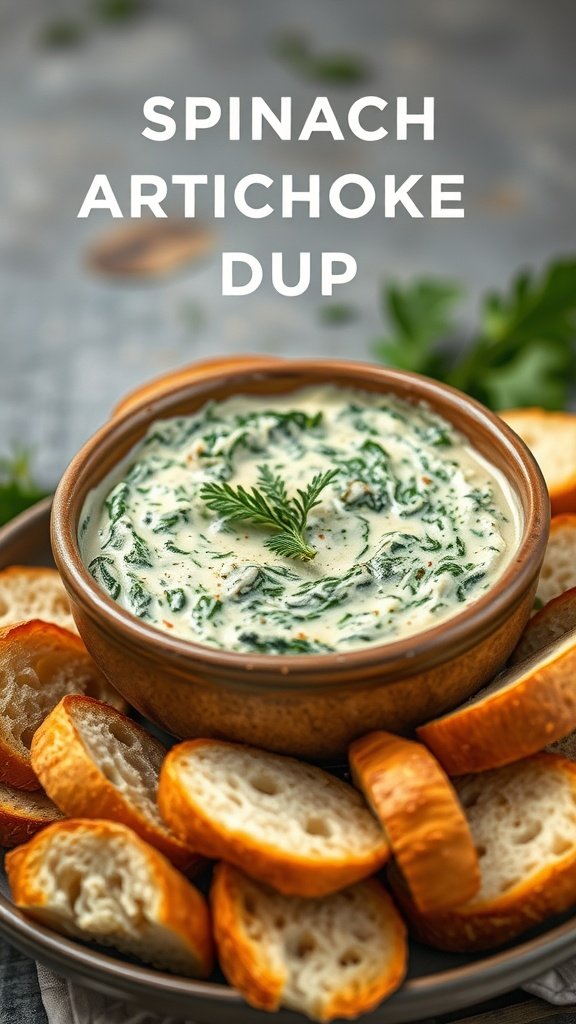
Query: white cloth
point(66, 1003)
point(557, 986)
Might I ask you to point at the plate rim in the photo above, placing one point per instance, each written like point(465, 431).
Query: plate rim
point(448, 990)
point(442, 992)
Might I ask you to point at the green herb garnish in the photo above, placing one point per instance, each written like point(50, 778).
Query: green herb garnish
point(420, 314)
point(338, 68)
point(523, 352)
point(269, 505)
point(336, 314)
point(18, 489)
point(117, 10)
point(62, 33)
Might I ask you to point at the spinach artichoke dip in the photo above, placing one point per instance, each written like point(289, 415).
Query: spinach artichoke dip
point(320, 521)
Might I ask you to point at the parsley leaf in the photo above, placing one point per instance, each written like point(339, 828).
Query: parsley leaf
point(338, 68)
point(61, 33)
point(117, 10)
point(420, 314)
point(17, 488)
point(534, 376)
point(523, 353)
point(336, 313)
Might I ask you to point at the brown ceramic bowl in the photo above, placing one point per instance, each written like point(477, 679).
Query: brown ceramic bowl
point(310, 705)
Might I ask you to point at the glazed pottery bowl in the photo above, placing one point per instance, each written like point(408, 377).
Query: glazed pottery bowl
point(308, 705)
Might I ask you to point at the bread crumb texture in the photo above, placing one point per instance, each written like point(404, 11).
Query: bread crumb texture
point(279, 800)
point(37, 593)
point(97, 881)
point(129, 760)
point(558, 572)
point(522, 819)
point(334, 957)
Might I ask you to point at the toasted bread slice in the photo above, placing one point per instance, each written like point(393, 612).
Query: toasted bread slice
point(338, 956)
point(194, 371)
point(524, 709)
point(284, 822)
point(22, 815)
point(39, 663)
point(98, 881)
point(95, 763)
point(422, 817)
point(37, 593)
point(553, 621)
point(551, 437)
point(558, 572)
point(523, 823)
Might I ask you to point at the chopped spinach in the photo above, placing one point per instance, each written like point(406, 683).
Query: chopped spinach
point(281, 645)
point(396, 523)
point(103, 574)
point(176, 599)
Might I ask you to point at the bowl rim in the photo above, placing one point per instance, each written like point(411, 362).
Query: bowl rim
point(455, 634)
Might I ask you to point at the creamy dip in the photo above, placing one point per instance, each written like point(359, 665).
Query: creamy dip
point(414, 525)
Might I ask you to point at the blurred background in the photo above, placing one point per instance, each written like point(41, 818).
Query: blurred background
point(86, 316)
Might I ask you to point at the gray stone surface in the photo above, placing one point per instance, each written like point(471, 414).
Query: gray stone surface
point(70, 342)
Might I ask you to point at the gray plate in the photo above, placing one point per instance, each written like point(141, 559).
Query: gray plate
point(438, 982)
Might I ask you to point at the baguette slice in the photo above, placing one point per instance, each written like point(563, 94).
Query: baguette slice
point(553, 621)
point(551, 437)
point(285, 823)
point(24, 814)
point(39, 663)
point(333, 957)
point(522, 819)
point(98, 881)
point(422, 817)
point(524, 709)
point(558, 572)
point(95, 763)
point(37, 593)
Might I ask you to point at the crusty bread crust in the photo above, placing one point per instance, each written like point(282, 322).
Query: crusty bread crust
point(479, 925)
point(290, 872)
point(558, 573)
point(511, 722)
point(553, 621)
point(260, 982)
point(182, 910)
point(551, 436)
point(247, 966)
point(79, 787)
point(24, 814)
point(32, 656)
point(422, 817)
point(34, 593)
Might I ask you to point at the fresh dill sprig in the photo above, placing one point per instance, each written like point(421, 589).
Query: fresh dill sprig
point(268, 505)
